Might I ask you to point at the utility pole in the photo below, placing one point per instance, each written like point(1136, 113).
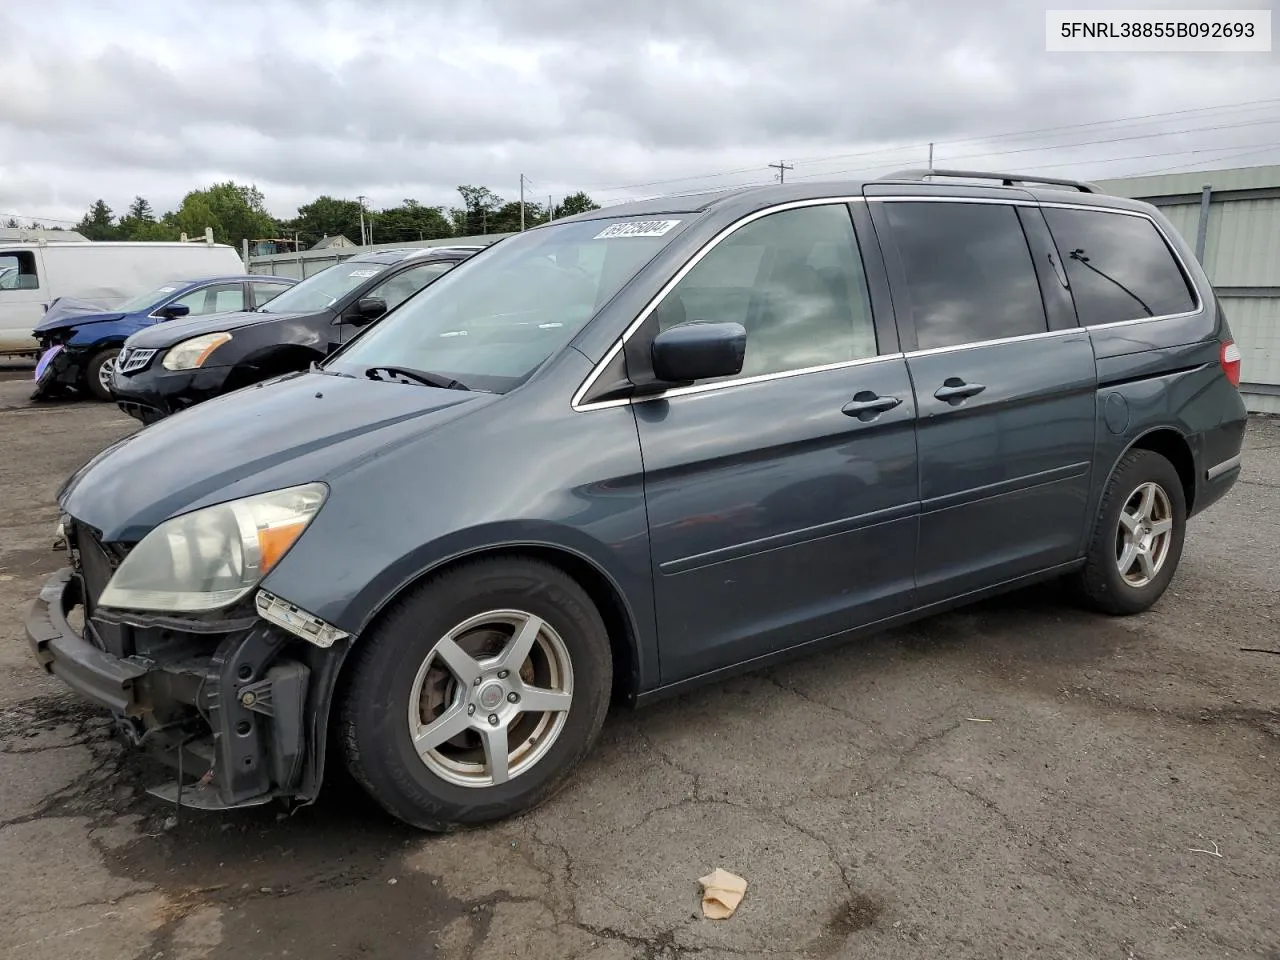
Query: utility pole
point(782, 169)
point(522, 202)
point(931, 156)
point(361, 199)
point(551, 211)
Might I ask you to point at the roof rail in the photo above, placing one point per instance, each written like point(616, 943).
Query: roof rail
point(1006, 179)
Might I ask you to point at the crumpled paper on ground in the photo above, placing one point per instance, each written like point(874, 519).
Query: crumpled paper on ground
point(722, 891)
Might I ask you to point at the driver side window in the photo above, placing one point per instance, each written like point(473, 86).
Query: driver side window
point(794, 280)
point(405, 284)
point(218, 298)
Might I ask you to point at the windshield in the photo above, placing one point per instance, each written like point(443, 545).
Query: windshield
point(147, 300)
point(490, 322)
point(324, 289)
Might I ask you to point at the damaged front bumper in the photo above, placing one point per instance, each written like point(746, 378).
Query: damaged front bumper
point(237, 706)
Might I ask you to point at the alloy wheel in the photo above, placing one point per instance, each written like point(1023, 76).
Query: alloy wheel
point(1144, 534)
point(490, 698)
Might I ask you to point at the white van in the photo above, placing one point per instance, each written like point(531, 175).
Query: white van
point(34, 274)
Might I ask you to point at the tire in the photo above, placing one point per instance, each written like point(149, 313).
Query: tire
point(453, 782)
point(1101, 582)
point(99, 366)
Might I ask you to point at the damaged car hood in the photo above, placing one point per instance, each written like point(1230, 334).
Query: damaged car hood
point(299, 428)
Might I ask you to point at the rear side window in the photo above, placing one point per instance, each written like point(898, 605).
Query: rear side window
point(968, 271)
point(1119, 266)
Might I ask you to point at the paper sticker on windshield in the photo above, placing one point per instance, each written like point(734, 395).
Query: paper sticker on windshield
point(166, 290)
point(637, 228)
point(363, 273)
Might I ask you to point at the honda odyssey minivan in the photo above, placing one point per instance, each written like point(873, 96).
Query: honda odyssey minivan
point(634, 450)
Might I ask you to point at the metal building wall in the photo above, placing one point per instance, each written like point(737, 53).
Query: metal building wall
point(1240, 253)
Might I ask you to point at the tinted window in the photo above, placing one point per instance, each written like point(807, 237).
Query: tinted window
point(1119, 267)
point(968, 270)
point(794, 280)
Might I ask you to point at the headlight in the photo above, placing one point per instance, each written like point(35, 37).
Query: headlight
point(210, 558)
point(192, 353)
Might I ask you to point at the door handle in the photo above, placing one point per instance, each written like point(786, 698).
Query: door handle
point(955, 391)
point(866, 405)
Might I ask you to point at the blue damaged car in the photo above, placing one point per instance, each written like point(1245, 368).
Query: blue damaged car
point(79, 341)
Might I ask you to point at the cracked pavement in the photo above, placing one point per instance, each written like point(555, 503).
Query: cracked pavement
point(1010, 779)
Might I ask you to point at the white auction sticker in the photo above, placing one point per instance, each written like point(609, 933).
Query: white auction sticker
point(363, 273)
point(1158, 31)
point(637, 228)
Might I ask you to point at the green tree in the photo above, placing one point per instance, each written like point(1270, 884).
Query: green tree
point(235, 212)
point(479, 204)
point(97, 223)
point(506, 219)
point(576, 203)
point(12, 223)
point(411, 221)
point(140, 223)
point(326, 217)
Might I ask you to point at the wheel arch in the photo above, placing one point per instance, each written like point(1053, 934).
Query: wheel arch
point(1174, 446)
point(620, 626)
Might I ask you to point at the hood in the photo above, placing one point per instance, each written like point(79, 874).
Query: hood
point(296, 429)
point(161, 336)
point(67, 312)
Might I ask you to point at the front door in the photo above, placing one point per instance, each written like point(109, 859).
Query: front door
point(782, 502)
point(1005, 389)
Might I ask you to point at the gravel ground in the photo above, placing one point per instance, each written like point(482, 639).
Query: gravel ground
point(1019, 778)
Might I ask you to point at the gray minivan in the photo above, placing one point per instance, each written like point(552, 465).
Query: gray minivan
point(631, 451)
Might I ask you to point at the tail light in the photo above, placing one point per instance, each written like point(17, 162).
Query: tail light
point(1229, 357)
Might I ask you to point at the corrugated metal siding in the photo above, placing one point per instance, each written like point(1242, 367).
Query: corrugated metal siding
point(1170, 184)
point(1255, 322)
point(1184, 217)
point(1243, 243)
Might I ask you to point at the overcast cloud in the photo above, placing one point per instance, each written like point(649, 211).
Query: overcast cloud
point(395, 99)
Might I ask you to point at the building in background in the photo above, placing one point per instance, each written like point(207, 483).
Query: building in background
point(31, 234)
point(1231, 218)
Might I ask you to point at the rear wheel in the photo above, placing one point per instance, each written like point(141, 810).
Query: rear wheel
point(478, 694)
point(98, 371)
point(1137, 541)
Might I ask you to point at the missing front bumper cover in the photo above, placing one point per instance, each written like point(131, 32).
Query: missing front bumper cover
point(236, 707)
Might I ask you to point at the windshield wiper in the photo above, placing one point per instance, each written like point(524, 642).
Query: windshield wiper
point(424, 377)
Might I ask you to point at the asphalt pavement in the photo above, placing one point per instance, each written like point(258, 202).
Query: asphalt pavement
point(1016, 779)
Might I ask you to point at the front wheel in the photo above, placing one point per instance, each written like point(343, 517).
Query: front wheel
point(98, 371)
point(1137, 541)
point(477, 695)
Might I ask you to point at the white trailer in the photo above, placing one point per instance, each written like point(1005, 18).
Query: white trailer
point(36, 273)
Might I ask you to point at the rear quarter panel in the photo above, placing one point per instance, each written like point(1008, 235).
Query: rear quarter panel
point(1165, 374)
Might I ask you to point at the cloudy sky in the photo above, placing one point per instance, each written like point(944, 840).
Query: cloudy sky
point(409, 98)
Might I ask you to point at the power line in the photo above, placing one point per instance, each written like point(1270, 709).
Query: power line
point(27, 216)
point(782, 167)
point(881, 151)
point(1069, 146)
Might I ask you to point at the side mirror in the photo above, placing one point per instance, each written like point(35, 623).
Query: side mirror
point(174, 310)
point(366, 310)
point(699, 351)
